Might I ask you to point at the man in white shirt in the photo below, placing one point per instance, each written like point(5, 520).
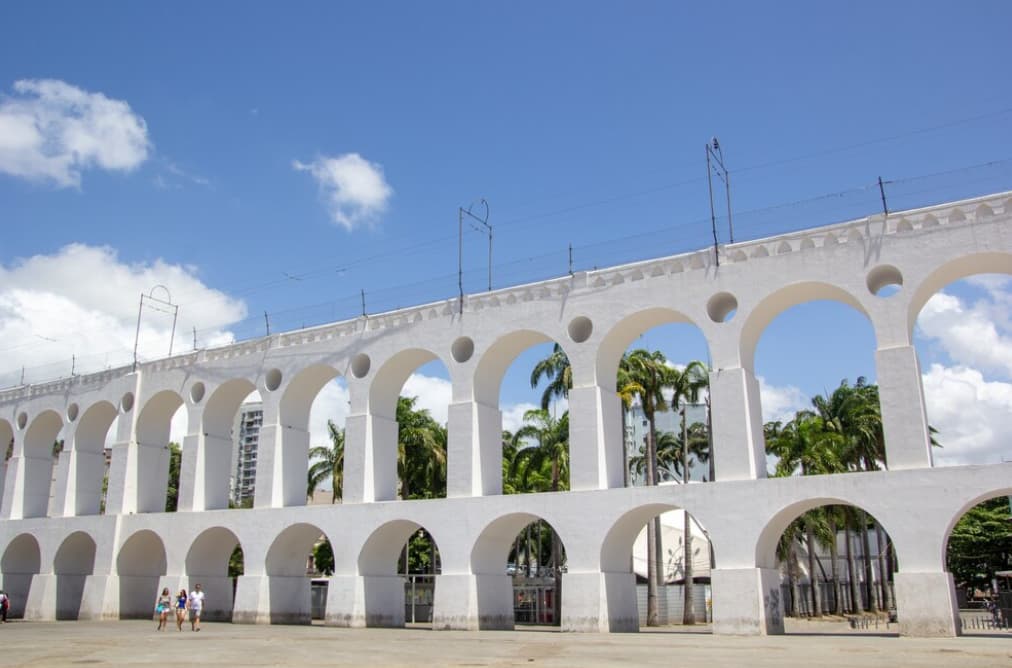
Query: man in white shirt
point(196, 605)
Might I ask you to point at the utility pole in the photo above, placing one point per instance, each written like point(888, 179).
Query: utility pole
point(461, 212)
point(267, 322)
point(715, 166)
point(162, 305)
point(882, 192)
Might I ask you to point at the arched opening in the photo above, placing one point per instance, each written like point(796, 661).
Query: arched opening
point(413, 389)
point(42, 447)
point(74, 562)
point(399, 563)
point(158, 456)
point(313, 398)
point(140, 563)
point(964, 344)
point(7, 445)
point(835, 558)
point(289, 566)
point(90, 461)
point(21, 561)
point(524, 426)
point(231, 425)
point(808, 393)
point(214, 560)
point(978, 554)
point(530, 557)
point(659, 359)
point(684, 555)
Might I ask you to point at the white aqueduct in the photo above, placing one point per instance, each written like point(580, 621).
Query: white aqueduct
point(63, 558)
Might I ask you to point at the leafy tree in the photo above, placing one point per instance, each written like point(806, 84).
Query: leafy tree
point(421, 452)
point(323, 557)
point(172, 494)
point(981, 543)
point(557, 370)
point(236, 563)
point(541, 442)
point(329, 463)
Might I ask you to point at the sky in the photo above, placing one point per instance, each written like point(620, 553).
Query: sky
point(284, 157)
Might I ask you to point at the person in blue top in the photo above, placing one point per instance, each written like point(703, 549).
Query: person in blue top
point(181, 599)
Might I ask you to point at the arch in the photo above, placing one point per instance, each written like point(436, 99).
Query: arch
point(89, 453)
point(74, 562)
point(154, 425)
point(966, 507)
point(154, 422)
point(494, 362)
point(298, 396)
point(490, 551)
point(207, 565)
point(386, 385)
point(625, 331)
point(864, 588)
point(222, 405)
point(949, 272)
point(285, 565)
point(618, 542)
point(289, 553)
point(139, 564)
point(779, 301)
point(381, 551)
point(40, 437)
point(216, 426)
point(21, 561)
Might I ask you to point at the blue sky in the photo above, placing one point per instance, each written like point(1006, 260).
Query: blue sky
point(278, 157)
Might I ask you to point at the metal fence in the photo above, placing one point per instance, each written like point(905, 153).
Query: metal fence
point(803, 606)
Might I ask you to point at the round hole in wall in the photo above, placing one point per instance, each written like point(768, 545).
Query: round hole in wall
point(127, 402)
point(722, 307)
point(197, 392)
point(360, 365)
point(884, 280)
point(462, 349)
point(72, 411)
point(272, 379)
point(22, 420)
point(580, 328)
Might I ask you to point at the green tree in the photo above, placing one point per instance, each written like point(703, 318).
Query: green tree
point(981, 543)
point(236, 563)
point(541, 442)
point(172, 493)
point(648, 372)
point(557, 370)
point(329, 463)
point(323, 557)
point(421, 452)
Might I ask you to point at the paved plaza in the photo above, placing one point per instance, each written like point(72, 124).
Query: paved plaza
point(135, 643)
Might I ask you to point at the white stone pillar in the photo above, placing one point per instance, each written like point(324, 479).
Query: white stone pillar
point(904, 417)
point(190, 471)
point(370, 458)
point(282, 462)
point(358, 601)
point(746, 601)
point(926, 604)
point(595, 438)
point(599, 602)
point(739, 449)
point(469, 602)
point(474, 457)
point(41, 603)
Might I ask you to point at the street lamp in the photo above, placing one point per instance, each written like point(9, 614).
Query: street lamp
point(461, 212)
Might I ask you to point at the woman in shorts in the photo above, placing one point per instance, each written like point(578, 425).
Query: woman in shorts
point(181, 599)
point(162, 607)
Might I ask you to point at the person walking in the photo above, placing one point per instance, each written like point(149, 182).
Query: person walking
point(181, 601)
point(162, 607)
point(196, 603)
point(5, 604)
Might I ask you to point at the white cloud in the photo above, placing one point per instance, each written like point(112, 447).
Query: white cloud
point(513, 415)
point(330, 404)
point(82, 301)
point(355, 189)
point(969, 333)
point(781, 403)
point(972, 415)
point(434, 395)
point(52, 131)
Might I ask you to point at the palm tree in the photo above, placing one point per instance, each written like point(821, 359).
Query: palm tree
point(542, 441)
point(421, 452)
point(557, 370)
point(329, 463)
point(651, 375)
